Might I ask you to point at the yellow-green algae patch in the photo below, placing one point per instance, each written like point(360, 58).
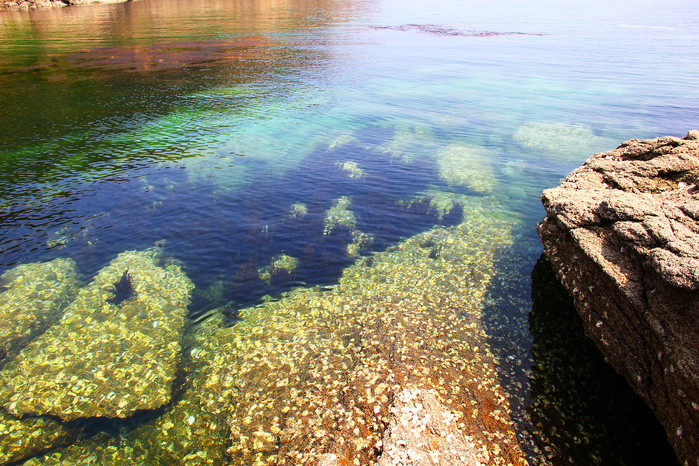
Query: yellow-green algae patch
point(441, 201)
point(560, 141)
point(298, 210)
point(192, 430)
point(281, 263)
point(352, 169)
point(34, 297)
point(105, 359)
point(317, 376)
point(409, 141)
point(340, 214)
point(23, 438)
point(467, 166)
point(312, 377)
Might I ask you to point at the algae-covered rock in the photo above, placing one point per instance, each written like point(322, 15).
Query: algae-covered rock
point(467, 166)
point(23, 438)
point(351, 169)
point(114, 351)
point(312, 378)
point(559, 141)
point(298, 210)
point(443, 202)
point(193, 430)
point(281, 264)
point(340, 214)
point(33, 297)
point(409, 141)
point(360, 242)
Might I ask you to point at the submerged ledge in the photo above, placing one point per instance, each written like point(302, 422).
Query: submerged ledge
point(622, 233)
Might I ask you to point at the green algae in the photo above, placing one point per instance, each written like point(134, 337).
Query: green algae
point(103, 359)
point(280, 264)
point(351, 169)
point(298, 210)
point(312, 376)
point(191, 430)
point(340, 215)
point(24, 438)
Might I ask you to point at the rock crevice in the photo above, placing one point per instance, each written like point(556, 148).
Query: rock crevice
point(622, 232)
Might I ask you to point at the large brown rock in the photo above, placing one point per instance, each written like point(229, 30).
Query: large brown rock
point(622, 233)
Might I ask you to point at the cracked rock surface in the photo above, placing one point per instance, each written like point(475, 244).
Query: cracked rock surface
point(622, 232)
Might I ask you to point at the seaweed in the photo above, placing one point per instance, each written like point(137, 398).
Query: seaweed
point(123, 289)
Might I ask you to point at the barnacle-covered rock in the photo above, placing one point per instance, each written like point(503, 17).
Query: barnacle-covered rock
point(314, 375)
point(105, 359)
point(467, 166)
point(340, 214)
point(23, 438)
point(33, 297)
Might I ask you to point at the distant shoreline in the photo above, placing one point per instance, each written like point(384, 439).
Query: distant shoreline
point(35, 4)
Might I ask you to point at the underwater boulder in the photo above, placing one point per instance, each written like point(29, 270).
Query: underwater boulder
point(114, 352)
point(23, 438)
point(469, 167)
point(559, 141)
point(191, 430)
point(33, 297)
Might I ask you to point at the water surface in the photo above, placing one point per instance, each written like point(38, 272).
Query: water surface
point(268, 145)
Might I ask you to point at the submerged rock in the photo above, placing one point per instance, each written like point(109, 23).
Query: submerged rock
point(559, 141)
point(421, 431)
point(312, 378)
point(193, 430)
point(104, 359)
point(33, 297)
point(23, 438)
point(622, 233)
point(340, 214)
point(281, 264)
point(467, 166)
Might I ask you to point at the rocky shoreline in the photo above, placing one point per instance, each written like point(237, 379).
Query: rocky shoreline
point(622, 233)
point(34, 4)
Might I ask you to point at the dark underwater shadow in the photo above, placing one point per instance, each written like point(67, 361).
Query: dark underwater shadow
point(582, 411)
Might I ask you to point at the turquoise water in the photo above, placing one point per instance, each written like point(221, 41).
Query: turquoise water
point(226, 132)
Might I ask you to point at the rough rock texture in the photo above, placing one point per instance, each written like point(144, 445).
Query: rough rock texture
point(421, 431)
point(622, 233)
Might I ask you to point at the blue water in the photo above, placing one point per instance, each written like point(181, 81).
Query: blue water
point(205, 153)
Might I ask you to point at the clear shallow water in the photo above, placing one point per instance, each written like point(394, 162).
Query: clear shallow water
point(197, 126)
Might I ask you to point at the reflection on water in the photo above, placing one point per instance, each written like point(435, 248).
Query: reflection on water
point(351, 188)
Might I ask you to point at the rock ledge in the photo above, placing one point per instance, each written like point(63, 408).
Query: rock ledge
point(622, 232)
